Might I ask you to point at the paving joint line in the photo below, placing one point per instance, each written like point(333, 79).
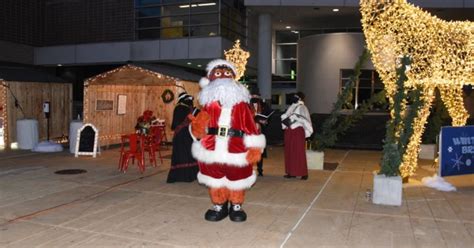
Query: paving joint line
point(81, 199)
point(310, 205)
point(97, 233)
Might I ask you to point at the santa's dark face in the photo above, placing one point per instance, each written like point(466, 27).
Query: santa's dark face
point(222, 72)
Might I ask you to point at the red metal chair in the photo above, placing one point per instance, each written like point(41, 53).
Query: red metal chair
point(156, 138)
point(150, 147)
point(136, 149)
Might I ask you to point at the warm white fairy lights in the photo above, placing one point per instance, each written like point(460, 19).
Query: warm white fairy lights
point(442, 55)
point(168, 80)
point(238, 57)
point(3, 110)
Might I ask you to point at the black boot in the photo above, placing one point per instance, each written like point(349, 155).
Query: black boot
point(236, 213)
point(217, 212)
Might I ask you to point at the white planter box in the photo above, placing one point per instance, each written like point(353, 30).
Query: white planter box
point(427, 151)
point(315, 160)
point(387, 190)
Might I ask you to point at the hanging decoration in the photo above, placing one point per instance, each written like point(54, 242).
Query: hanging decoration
point(167, 96)
point(442, 56)
point(238, 57)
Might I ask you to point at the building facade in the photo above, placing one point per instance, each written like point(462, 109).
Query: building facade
point(76, 39)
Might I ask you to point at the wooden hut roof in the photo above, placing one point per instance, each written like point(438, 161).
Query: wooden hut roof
point(174, 71)
point(27, 74)
point(142, 74)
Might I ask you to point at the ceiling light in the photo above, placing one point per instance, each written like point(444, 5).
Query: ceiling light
point(189, 63)
point(335, 10)
point(196, 5)
point(206, 4)
point(187, 6)
point(199, 65)
point(60, 65)
point(288, 27)
point(294, 31)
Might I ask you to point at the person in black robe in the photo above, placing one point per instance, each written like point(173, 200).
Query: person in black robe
point(261, 116)
point(184, 167)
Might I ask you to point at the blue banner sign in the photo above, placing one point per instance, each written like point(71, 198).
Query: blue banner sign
point(456, 155)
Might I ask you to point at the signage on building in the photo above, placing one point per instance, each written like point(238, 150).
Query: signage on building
point(456, 155)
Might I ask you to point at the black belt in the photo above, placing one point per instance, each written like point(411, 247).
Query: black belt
point(225, 131)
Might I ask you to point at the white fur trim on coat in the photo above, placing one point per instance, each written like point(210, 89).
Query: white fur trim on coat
point(219, 155)
point(257, 141)
point(218, 62)
point(203, 82)
point(224, 182)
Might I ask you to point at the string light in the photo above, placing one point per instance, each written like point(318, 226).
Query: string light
point(442, 55)
point(238, 57)
point(4, 109)
point(93, 82)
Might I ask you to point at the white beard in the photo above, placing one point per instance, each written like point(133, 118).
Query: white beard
point(225, 90)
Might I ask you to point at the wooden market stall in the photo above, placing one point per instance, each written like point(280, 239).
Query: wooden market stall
point(22, 94)
point(115, 99)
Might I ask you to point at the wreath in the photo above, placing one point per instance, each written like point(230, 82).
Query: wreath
point(167, 96)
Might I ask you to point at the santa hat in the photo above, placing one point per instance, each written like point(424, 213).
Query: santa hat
point(213, 64)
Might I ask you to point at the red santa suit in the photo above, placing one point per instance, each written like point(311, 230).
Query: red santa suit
point(222, 158)
point(229, 141)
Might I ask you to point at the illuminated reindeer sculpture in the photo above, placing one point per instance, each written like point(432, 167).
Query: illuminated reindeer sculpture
point(441, 53)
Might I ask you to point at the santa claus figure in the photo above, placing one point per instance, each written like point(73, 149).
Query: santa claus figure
point(228, 142)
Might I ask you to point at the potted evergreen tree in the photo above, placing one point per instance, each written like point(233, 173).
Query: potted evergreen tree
point(388, 182)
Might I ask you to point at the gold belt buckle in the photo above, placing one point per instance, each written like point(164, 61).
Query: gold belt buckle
point(223, 131)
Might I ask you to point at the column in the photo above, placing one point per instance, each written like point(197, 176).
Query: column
point(264, 76)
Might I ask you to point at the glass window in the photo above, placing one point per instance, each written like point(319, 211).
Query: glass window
point(149, 23)
point(206, 30)
point(204, 19)
point(202, 6)
point(286, 51)
point(231, 34)
point(175, 1)
point(233, 20)
point(171, 10)
point(174, 21)
point(285, 67)
point(149, 34)
point(368, 85)
point(286, 37)
point(139, 3)
point(182, 18)
point(148, 12)
point(155, 2)
point(173, 32)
